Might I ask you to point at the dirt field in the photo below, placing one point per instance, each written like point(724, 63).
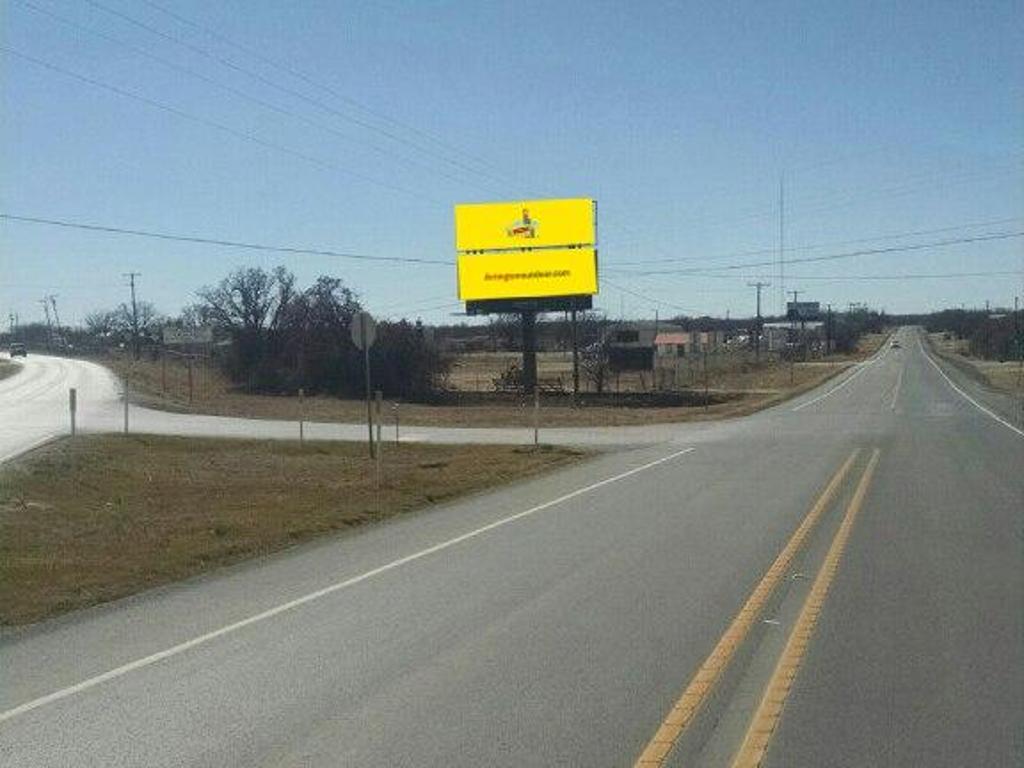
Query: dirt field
point(749, 388)
point(1007, 376)
point(92, 519)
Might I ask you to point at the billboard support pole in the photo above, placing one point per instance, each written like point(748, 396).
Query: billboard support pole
point(529, 352)
point(575, 357)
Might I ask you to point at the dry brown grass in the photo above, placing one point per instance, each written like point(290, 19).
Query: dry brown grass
point(92, 519)
point(750, 387)
point(1007, 376)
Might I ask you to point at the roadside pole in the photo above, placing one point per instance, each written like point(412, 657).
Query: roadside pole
point(1018, 332)
point(394, 409)
point(189, 379)
point(364, 332)
point(379, 397)
point(302, 415)
point(380, 401)
point(126, 406)
point(73, 407)
point(163, 371)
point(369, 406)
point(536, 417)
point(704, 346)
point(575, 357)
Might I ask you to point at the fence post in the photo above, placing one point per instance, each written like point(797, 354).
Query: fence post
point(302, 415)
point(73, 406)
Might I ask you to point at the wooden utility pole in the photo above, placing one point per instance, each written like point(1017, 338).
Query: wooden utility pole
point(757, 330)
point(135, 314)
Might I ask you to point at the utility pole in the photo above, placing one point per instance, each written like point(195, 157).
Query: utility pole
point(45, 301)
point(757, 329)
point(798, 316)
point(828, 330)
point(56, 316)
point(135, 314)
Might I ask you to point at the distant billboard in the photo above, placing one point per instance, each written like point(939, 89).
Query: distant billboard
point(803, 310)
point(524, 224)
point(174, 335)
point(536, 251)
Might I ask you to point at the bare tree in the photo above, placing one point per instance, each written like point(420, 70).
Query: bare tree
point(249, 300)
point(249, 304)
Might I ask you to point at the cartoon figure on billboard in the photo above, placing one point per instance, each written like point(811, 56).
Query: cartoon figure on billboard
point(525, 227)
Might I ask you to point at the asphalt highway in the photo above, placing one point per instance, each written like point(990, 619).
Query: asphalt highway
point(835, 581)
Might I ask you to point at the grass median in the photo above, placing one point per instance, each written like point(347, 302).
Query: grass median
point(92, 519)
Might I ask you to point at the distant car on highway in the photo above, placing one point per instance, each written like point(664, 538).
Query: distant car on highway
point(895, 344)
point(18, 350)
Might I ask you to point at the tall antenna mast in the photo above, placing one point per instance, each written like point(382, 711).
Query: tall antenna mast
point(782, 245)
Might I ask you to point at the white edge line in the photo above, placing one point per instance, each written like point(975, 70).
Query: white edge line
point(896, 390)
point(963, 394)
point(146, 661)
point(861, 367)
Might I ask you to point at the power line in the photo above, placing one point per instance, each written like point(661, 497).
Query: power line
point(913, 276)
point(319, 85)
point(646, 297)
point(284, 89)
point(817, 246)
point(927, 181)
point(224, 243)
point(810, 246)
point(216, 125)
point(235, 91)
point(831, 257)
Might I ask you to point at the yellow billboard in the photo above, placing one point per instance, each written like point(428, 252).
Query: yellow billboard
point(527, 274)
point(524, 224)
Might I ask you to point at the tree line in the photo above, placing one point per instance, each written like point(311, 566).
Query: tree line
point(273, 336)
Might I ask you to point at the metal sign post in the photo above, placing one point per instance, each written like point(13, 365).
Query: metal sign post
point(364, 333)
point(73, 405)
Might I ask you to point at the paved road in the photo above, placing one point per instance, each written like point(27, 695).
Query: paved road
point(557, 621)
point(34, 401)
point(34, 408)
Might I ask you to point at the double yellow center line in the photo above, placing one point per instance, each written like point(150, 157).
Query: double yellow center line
point(703, 682)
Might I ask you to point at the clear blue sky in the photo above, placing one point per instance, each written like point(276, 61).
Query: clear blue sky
point(884, 118)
